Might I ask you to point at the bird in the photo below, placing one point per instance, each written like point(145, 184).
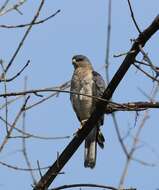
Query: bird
point(87, 81)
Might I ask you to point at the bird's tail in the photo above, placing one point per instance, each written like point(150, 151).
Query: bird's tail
point(90, 149)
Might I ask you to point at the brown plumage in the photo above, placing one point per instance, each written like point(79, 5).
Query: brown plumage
point(86, 81)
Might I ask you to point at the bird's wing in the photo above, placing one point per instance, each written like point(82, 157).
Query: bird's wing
point(72, 96)
point(99, 89)
point(99, 82)
point(95, 135)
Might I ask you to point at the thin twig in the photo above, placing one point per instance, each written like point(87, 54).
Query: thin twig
point(123, 54)
point(146, 58)
point(29, 135)
point(28, 24)
point(4, 5)
point(108, 41)
point(62, 87)
point(52, 89)
point(13, 7)
point(88, 185)
point(119, 135)
point(142, 162)
point(39, 168)
point(10, 102)
point(5, 91)
point(24, 149)
point(145, 73)
point(22, 169)
point(16, 75)
point(133, 17)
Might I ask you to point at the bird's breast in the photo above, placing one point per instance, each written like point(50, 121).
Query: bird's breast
point(82, 84)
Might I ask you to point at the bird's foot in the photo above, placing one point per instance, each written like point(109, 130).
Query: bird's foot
point(82, 124)
point(76, 133)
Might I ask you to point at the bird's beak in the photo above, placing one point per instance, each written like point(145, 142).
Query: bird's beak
point(73, 61)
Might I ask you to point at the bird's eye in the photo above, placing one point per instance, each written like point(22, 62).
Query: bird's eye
point(79, 59)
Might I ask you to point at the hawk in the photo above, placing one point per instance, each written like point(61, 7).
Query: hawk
point(87, 81)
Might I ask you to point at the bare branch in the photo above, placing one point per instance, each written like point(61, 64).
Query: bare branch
point(145, 73)
point(24, 148)
point(28, 24)
point(133, 17)
point(5, 91)
point(131, 106)
point(119, 135)
point(88, 185)
point(4, 5)
point(108, 41)
point(16, 6)
point(146, 58)
point(61, 87)
point(29, 135)
point(22, 169)
point(16, 75)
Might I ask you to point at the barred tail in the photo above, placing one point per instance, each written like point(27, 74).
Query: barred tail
point(90, 149)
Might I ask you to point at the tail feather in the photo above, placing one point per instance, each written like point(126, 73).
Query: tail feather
point(100, 139)
point(90, 149)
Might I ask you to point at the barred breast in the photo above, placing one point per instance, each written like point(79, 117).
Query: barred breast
point(82, 82)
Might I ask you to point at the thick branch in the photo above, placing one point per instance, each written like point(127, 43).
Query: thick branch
point(53, 171)
point(131, 106)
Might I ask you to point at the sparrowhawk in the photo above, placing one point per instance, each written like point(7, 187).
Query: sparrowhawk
point(87, 81)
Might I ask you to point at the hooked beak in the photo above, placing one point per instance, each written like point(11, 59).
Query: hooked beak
point(73, 61)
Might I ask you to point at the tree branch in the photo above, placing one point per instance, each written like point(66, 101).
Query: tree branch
point(131, 106)
point(28, 24)
point(88, 185)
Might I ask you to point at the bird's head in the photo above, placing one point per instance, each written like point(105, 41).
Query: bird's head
point(81, 61)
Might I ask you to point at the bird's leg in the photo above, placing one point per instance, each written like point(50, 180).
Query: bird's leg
point(82, 124)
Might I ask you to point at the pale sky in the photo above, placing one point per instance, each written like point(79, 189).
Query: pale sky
point(80, 28)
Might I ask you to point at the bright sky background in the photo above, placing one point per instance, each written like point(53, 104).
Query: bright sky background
point(80, 28)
